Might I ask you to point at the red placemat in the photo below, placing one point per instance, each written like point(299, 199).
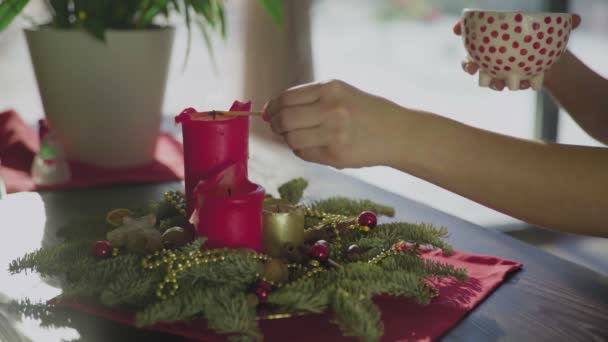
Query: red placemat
point(19, 144)
point(403, 319)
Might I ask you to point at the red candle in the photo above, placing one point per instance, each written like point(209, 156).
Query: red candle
point(212, 142)
point(229, 209)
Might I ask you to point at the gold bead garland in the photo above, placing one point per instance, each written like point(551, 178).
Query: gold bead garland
point(177, 200)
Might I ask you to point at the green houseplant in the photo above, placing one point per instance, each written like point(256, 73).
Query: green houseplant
point(101, 68)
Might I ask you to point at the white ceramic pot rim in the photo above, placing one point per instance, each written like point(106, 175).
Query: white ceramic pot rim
point(479, 10)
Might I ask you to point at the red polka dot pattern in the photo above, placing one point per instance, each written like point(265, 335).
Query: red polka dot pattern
point(506, 43)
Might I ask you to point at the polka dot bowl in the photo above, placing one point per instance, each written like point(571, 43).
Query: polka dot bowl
point(514, 46)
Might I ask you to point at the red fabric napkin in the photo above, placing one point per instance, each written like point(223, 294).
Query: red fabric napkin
point(403, 319)
point(19, 144)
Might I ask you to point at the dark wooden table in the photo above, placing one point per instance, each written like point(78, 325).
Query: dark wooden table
point(549, 300)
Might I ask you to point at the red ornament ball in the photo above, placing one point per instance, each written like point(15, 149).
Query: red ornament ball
point(353, 253)
point(319, 252)
point(367, 219)
point(102, 249)
point(322, 242)
point(262, 290)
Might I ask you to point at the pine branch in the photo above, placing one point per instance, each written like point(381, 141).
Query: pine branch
point(237, 270)
point(350, 207)
point(356, 317)
point(122, 290)
point(305, 295)
point(385, 235)
point(183, 306)
point(423, 267)
point(293, 190)
point(48, 315)
point(228, 312)
point(56, 260)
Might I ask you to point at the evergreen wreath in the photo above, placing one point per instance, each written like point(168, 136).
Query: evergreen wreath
point(232, 288)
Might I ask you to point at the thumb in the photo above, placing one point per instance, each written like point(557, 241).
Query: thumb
point(457, 29)
point(576, 21)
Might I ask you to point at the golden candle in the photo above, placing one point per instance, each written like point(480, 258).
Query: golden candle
point(282, 225)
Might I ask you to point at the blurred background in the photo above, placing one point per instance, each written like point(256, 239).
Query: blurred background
point(401, 49)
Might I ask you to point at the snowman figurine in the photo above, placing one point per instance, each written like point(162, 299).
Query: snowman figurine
point(49, 166)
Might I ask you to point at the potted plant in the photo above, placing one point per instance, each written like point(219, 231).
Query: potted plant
point(101, 68)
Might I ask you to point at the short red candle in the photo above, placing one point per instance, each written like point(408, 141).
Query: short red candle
point(229, 210)
point(212, 143)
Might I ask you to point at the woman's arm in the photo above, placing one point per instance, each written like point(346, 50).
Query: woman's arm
point(556, 186)
point(561, 187)
point(582, 92)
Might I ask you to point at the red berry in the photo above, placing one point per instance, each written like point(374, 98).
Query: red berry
point(367, 219)
point(262, 290)
point(319, 252)
point(102, 249)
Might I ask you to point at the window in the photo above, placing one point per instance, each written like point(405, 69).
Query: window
point(405, 50)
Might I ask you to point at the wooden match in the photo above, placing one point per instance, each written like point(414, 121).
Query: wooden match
point(237, 113)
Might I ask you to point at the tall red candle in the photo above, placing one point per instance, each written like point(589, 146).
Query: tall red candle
point(211, 143)
point(229, 209)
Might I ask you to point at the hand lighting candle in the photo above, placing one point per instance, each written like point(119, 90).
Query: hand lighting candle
point(212, 142)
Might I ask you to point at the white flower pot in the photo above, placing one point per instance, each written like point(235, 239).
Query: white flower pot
point(103, 100)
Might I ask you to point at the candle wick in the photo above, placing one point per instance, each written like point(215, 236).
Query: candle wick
point(229, 192)
point(213, 113)
point(278, 209)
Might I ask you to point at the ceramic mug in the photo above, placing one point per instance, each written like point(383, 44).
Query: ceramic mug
point(514, 46)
